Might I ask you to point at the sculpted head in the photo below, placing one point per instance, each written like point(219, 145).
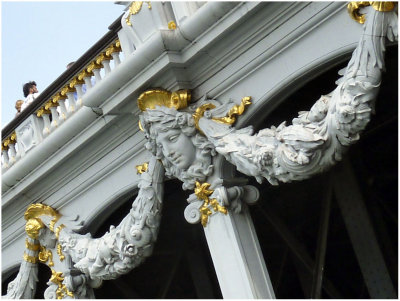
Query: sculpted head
point(172, 138)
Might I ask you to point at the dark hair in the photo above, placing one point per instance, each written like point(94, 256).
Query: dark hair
point(27, 86)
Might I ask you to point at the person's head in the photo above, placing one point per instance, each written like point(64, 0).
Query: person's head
point(70, 64)
point(172, 138)
point(18, 105)
point(29, 88)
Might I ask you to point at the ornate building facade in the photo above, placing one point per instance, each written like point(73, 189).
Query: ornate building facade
point(226, 150)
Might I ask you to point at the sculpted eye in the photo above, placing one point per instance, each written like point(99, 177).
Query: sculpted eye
point(173, 138)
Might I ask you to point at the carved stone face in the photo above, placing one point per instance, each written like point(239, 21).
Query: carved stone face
point(177, 148)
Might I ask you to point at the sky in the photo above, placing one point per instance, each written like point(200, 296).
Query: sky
point(39, 39)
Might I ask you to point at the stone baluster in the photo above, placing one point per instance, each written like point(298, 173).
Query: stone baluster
point(5, 161)
point(86, 76)
point(105, 60)
point(95, 68)
point(114, 51)
point(78, 85)
point(69, 92)
point(62, 109)
point(54, 114)
point(12, 150)
point(116, 58)
point(45, 114)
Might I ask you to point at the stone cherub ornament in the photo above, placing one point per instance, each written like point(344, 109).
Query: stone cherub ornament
point(190, 140)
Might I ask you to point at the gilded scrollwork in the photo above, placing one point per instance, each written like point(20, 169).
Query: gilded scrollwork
point(46, 256)
point(134, 9)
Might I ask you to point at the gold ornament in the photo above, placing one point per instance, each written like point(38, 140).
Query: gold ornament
point(36, 210)
point(57, 232)
point(134, 9)
point(159, 97)
point(199, 113)
point(171, 25)
point(30, 259)
point(30, 246)
point(58, 278)
point(46, 255)
point(236, 110)
point(142, 168)
point(59, 252)
point(203, 192)
point(353, 8)
point(32, 227)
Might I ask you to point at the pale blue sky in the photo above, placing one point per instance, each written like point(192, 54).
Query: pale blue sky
point(38, 40)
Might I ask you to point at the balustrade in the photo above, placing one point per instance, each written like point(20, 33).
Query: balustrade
point(59, 107)
point(65, 101)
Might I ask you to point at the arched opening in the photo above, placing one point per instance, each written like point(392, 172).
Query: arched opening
point(180, 266)
point(288, 218)
point(44, 274)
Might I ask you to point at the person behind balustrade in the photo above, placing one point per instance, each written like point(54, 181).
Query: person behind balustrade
point(30, 92)
point(18, 105)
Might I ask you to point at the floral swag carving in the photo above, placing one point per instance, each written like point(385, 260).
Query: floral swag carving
point(188, 139)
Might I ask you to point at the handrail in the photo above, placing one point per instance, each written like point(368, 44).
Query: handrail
point(67, 75)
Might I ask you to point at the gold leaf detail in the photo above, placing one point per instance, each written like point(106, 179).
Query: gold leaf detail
point(236, 110)
point(46, 255)
point(171, 25)
point(199, 113)
point(30, 259)
point(159, 97)
point(202, 192)
point(30, 246)
point(58, 278)
point(59, 228)
point(32, 227)
point(142, 168)
point(135, 8)
point(353, 8)
point(93, 65)
point(59, 252)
